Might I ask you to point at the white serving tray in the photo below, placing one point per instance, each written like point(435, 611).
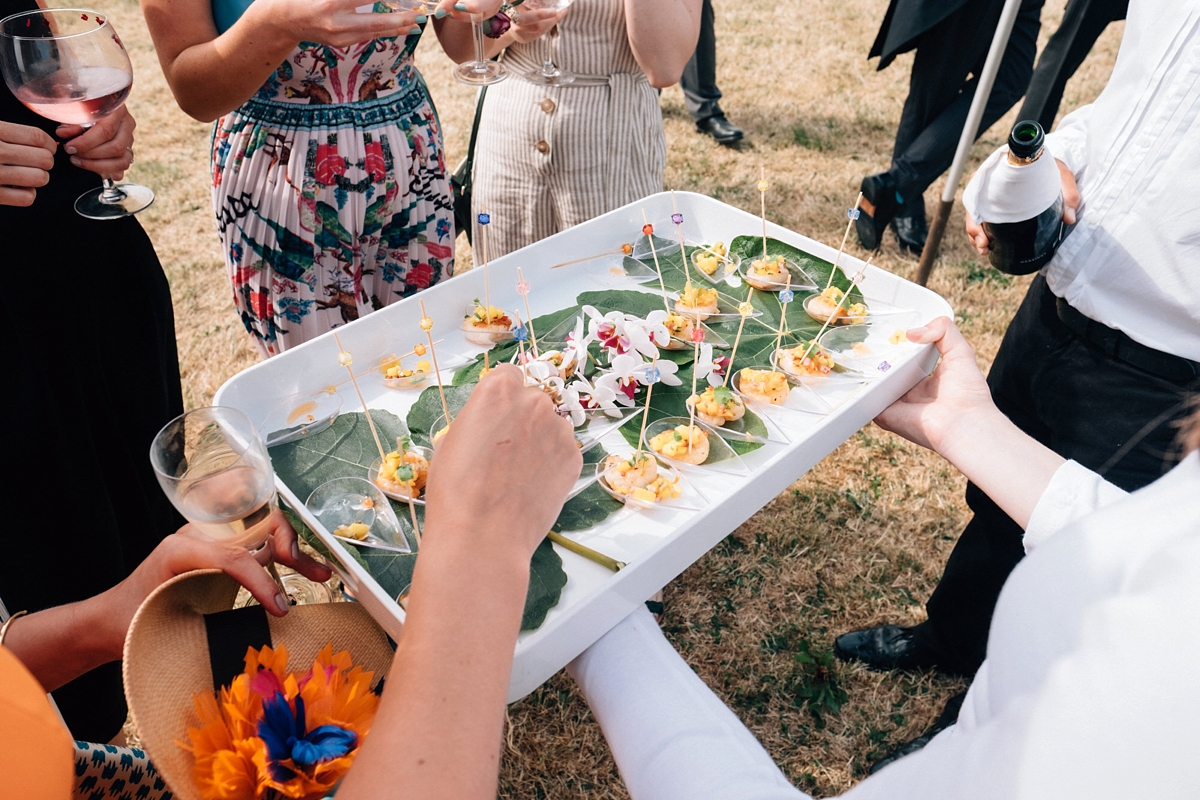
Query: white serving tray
point(658, 546)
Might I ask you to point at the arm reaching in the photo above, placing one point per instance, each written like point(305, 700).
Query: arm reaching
point(952, 413)
point(60, 644)
point(499, 482)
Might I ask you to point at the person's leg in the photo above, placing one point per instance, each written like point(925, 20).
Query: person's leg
point(1083, 22)
point(672, 738)
point(699, 79)
point(699, 84)
point(931, 151)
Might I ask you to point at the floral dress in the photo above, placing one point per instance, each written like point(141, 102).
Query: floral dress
point(330, 191)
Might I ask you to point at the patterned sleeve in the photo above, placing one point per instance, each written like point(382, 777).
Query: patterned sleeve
point(1074, 492)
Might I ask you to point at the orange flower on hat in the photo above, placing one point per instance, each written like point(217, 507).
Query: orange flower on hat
point(272, 733)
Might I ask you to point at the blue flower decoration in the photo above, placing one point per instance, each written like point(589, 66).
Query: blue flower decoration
point(521, 333)
point(285, 736)
point(484, 219)
point(787, 296)
point(677, 218)
point(653, 375)
point(853, 213)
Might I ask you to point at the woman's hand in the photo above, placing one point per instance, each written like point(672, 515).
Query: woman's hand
point(59, 644)
point(106, 148)
point(955, 393)
point(534, 23)
point(26, 156)
point(1070, 194)
point(332, 22)
point(504, 468)
point(188, 549)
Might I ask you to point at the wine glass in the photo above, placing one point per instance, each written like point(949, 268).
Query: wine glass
point(549, 74)
point(480, 71)
point(69, 65)
point(215, 469)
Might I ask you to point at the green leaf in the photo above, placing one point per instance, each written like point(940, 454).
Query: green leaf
point(346, 449)
point(428, 408)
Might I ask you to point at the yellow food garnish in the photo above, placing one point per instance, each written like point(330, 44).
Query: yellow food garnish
point(424, 366)
point(770, 385)
point(898, 337)
point(718, 402)
point(481, 316)
point(355, 530)
point(768, 267)
point(698, 297)
point(393, 373)
point(677, 324)
point(707, 263)
point(807, 359)
point(674, 443)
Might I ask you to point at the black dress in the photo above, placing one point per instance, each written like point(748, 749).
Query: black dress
point(89, 343)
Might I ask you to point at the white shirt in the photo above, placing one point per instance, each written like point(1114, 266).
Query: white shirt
point(1133, 261)
point(1091, 687)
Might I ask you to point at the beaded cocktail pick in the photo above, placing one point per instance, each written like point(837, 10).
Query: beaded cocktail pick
point(762, 191)
point(523, 290)
point(853, 283)
point(745, 309)
point(427, 325)
point(648, 230)
point(851, 214)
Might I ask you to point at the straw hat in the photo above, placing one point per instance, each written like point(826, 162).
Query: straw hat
point(168, 661)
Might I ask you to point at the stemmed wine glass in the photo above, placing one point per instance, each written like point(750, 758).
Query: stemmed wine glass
point(480, 72)
point(549, 74)
point(215, 469)
point(68, 64)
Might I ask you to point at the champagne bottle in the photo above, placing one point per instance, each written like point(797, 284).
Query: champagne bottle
point(1017, 198)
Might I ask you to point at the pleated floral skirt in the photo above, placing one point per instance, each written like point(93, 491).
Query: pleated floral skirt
point(328, 210)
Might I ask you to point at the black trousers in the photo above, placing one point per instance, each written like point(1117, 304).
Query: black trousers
point(950, 56)
point(1084, 405)
point(1083, 22)
point(699, 79)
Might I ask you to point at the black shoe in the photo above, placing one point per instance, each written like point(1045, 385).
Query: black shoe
point(720, 129)
point(885, 648)
point(948, 717)
point(880, 193)
point(912, 233)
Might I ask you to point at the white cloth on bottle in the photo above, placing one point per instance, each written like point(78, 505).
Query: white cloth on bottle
point(1003, 192)
point(1089, 688)
point(1132, 261)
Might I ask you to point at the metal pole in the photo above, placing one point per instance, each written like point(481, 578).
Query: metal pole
point(986, 78)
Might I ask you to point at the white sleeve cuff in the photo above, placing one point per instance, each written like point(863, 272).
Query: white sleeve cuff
point(1068, 142)
point(1074, 492)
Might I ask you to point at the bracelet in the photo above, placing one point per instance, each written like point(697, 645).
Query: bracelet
point(7, 622)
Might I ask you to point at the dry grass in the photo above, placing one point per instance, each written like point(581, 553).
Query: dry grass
point(861, 539)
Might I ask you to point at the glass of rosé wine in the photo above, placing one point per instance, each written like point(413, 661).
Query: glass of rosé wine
point(69, 65)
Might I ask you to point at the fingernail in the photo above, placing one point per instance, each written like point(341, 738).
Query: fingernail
point(71, 149)
point(441, 12)
point(413, 31)
point(422, 19)
point(295, 551)
point(281, 603)
point(460, 6)
point(75, 160)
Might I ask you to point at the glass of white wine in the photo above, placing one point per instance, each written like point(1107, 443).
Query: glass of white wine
point(215, 469)
point(549, 74)
point(69, 65)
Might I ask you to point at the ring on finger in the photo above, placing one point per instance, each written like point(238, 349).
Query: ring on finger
point(515, 16)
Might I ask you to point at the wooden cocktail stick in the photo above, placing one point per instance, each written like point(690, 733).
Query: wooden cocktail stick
point(745, 309)
point(626, 249)
point(853, 215)
point(648, 230)
point(829, 320)
point(347, 361)
point(523, 290)
point(427, 325)
point(484, 220)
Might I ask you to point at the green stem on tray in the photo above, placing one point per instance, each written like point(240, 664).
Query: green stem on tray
point(586, 552)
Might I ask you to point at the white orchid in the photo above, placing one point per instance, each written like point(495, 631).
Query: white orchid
point(607, 329)
point(570, 406)
point(713, 370)
point(621, 377)
point(575, 354)
point(598, 396)
point(658, 372)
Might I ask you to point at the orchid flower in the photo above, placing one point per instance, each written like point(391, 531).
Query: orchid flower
point(575, 354)
point(713, 370)
point(621, 379)
point(601, 396)
point(666, 373)
point(571, 407)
